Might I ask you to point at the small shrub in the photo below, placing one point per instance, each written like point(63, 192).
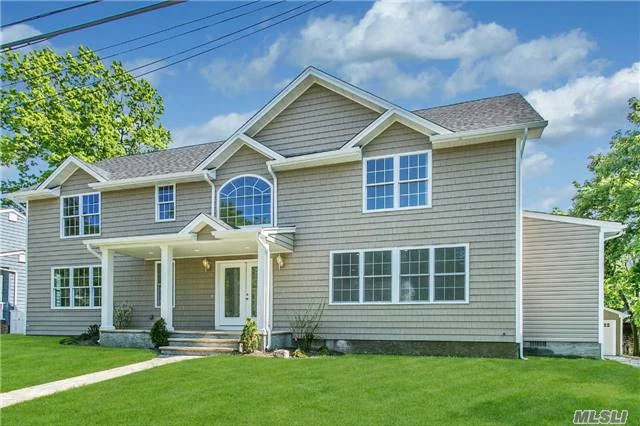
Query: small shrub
point(304, 326)
point(89, 337)
point(159, 333)
point(250, 339)
point(324, 350)
point(298, 353)
point(122, 316)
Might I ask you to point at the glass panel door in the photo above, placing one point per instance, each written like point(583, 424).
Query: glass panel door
point(230, 287)
point(254, 290)
point(232, 292)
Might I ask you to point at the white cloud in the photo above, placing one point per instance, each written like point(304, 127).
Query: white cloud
point(18, 32)
point(529, 64)
point(242, 75)
point(392, 29)
point(139, 64)
point(217, 128)
point(587, 106)
point(551, 197)
point(390, 80)
point(536, 162)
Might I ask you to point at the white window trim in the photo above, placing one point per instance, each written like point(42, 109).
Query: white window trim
point(80, 204)
point(156, 303)
point(395, 281)
point(396, 182)
point(72, 287)
point(175, 203)
point(217, 200)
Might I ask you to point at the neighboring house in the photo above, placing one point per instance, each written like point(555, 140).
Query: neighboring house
point(409, 225)
point(13, 270)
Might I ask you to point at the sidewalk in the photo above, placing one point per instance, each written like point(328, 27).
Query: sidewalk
point(632, 361)
point(33, 392)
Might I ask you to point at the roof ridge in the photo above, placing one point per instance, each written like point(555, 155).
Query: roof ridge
point(158, 151)
point(469, 101)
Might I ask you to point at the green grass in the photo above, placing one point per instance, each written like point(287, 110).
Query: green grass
point(346, 390)
point(33, 360)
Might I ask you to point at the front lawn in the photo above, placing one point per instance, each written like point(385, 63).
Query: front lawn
point(33, 360)
point(346, 390)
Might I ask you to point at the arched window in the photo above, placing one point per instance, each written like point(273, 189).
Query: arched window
point(245, 201)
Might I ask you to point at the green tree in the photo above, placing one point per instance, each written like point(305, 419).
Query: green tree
point(55, 105)
point(613, 193)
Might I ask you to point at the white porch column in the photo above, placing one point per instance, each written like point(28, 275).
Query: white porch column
point(106, 322)
point(264, 284)
point(166, 285)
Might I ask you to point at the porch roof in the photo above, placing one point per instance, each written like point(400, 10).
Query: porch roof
point(232, 242)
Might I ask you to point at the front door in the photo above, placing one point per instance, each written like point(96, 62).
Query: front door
point(236, 292)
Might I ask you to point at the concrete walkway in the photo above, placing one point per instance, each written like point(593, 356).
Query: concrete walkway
point(33, 392)
point(632, 361)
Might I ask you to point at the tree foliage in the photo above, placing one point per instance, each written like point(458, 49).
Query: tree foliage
point(613, 193)
point(55, 105)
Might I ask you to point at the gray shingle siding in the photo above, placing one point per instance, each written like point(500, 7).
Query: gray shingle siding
point(13, 237)
point(560, 281)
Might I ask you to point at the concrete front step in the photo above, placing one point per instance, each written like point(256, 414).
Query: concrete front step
point(193, 350)
point(206, 334)
point(204, 342)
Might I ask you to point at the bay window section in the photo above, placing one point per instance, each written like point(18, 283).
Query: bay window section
point(426, 274)
point(80, 215)
point(377, 276)
point(345, 277)
point(76, 287)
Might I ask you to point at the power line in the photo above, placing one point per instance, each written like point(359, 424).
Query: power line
point(45, 14)
point(230, 18)
point(18, 44)
point(203, 52)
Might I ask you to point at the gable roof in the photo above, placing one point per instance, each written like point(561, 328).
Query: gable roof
point(69, 167)
point(173, 160)
point(484, 113)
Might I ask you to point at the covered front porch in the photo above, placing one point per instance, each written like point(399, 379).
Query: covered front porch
point(232, 268)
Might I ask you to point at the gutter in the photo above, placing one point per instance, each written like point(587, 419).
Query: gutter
point(519, 236)
point(93, 251)
point(275, 194)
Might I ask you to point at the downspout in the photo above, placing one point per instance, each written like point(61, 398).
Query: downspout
point(266, 308)
point(209, 179)
point(93, 251)
point(275, 194)
point(519, 244)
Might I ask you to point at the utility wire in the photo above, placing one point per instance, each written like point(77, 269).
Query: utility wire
point(45, 14)
point(264, 28)
point(122, 52)
point(18, 44)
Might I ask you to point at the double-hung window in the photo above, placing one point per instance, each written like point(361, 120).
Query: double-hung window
point(158, 281)
point(80, 215)
point(397, 182)
point(165, 203)
point(430, 274)
point(76, 287)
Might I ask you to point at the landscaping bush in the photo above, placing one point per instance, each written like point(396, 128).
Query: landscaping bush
point(122, 316)
point(298, 353)
point(250, 339)
point(159, 333)
point(89, 337)
point(304, 325)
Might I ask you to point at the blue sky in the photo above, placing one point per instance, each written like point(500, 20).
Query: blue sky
point(577, 63)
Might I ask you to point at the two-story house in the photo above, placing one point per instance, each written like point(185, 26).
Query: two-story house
point(407, 224)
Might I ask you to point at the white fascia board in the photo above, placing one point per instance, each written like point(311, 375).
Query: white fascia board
point(279, 230)
point(34, 194)
point(63, 168)
point(491, 134)
point(11, 253)
point(318, 159)
point(605, 226)
point(138, 241)
point(12, 211)
point(390, 117)
point(143, 181)
point(230, 147)
point(201, 221)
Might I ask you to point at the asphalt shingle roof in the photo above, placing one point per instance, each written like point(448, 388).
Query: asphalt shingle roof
point(174, 160)
point(471, 115)
point(482, 113)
